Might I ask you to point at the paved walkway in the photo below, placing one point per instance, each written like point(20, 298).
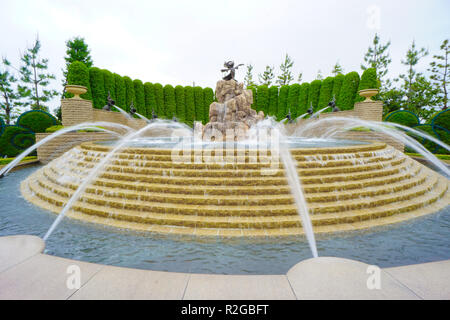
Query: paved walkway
point(27, 273)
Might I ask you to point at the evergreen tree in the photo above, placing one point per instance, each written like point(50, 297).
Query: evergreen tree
point(262, 101)
point(208, 95)
point(139, 94)
point(199, 104)
point(169, 101)
point(180, 101)
point(150, 101)
point(159, 98)
point(292, 100)
point(319, 75)
point(326, 93)
point(313, 94)
point(97, 82)
point(35, 79)
point(273, 101)
point(303, 98)
point(337, 69)
point(265, 79)
point(130, 96)
point(282, 102)
point(9, 100)
point(119, 84)
point(378, 57)
point(248, 80)
point(300, 77)
point(440, 70)
point(286, 74)
point(190, 105)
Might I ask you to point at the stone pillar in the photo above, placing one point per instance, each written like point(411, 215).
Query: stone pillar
point(75, 111)
point(372, 110)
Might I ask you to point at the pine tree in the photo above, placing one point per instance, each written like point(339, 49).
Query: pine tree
point(440, 73)
point(265, 79)
point(377, 57)
point(286, 74)
point(9, 102)
point(300, 77)
point(248, 80)
point(35, 79)
point(319, 75)
point(337, 69)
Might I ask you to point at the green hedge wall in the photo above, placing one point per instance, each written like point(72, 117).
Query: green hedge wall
point(180, 101)
point(292, 100)
point(337, 85)
point(255, 96)
point(326, 93)
point(109, 84)
point(130, 95)
point(78, 73)
point(15, 140)
point(169, 101)
point(150, 102)
point(303, 99)
point(139, 97)
point(119, 83)
point(282, 102)
point(97, 87)
point(159, 98)
point(262, 99)
point(368, 81)
point(199, 104)
point(190, 105)
point(273, 101)
point(348, 91)
point(36, 121)
point(208, 96)
point(314, 93)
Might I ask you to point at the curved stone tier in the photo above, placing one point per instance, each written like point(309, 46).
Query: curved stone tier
point(347, 188)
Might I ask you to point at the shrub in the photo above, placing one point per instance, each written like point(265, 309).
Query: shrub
point(15, 140)
point(129, 93)
point(292, 100)
point(180, 102)
point(159, 98)
point(313, 94)
point(199, 104)
point(262, 99)
point(403, 117)
point(326, 92)
point(255, 96)
point(54, 128)
point(2, 126)
point(441, 118)
point(139, 100)
point(348, 91)
point(282, 102)
point(303, 99)
point(109, 84)
point(78, 74)
point(190, 105)
point(150, 101)
point(337, 85)
point(273, 101)
point(435, 132)
point(169, 101)
point(119, 84)
point(36, 120)
point(208, 95)
point(97, 87)
point(368, 81)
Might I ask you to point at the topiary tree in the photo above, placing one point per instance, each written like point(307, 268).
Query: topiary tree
point(150, 102)
point(199, 104)
point(169, 101)
point(292, 100)
point(403, 117)
point(208, 95)
point(36, 121)
point(15, 140)
point(337, 85)
point(255, 96)
point(109, 84)
point(326, 91)
point(282, 102)
point(119, 84)
point(97, 87)
point(159, 98)
point(348, 91)
point(190, 105)
point(303, 99)
point(273, 101)
point(139, 97)
point(130, 95)
point(180, 102)
point(78, 74)
point(441, 119)
point(262, 99)
point(313, 94)
point(368, 81)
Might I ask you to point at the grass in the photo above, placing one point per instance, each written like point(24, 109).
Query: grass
point(439, 156)
point(4, 161)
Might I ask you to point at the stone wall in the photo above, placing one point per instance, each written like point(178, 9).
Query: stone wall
point(75, 111)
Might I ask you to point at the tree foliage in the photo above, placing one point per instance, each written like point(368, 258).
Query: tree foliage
point(440, 70)
point(266, 78)
point(282, 102)
point(326, 92)
point(97, 82)
point(292, 100)
point(169, 101)
point(348, 91)
point(313, 94)
point(273, 101)
point(139, 99)
point(286, 74)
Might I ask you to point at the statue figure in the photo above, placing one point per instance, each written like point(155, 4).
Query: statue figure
point(332, 105)
point(310, 111)
point(109, 102)
point(132, 108)
point(154, 115)
point(289, 116)
point(229, 65)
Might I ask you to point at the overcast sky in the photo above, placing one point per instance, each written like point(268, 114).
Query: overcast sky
point(181, 42)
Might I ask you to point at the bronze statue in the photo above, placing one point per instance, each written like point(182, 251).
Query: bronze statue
point(229, 65)
point(109, 102)
point(132, 108)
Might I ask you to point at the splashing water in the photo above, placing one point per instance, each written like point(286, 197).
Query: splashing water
point(126, 114)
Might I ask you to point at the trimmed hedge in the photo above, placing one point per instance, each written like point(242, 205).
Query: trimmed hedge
point(326, 93)
point(159, 98)
point(368, 81)
point(180, 101)
point(78, 74)
point(150, 102)
point(139, 97)
point(199, 104)
point(273, 101)
point(292, 100)
point(169, 101)
point(119, 84)
point(349, 88)
point(255, 96)
point(208, 96)
point(314, 93)
point(109, 84)
point(282, 102)
point(15, 140)
point(441, 118)
point(190, 105)
point(403, 117)
point(97, 87)
point(262, 101)
point(130, 95)
point(337, 85)
point(2, 126)
point(303, 99)
point(36, 120)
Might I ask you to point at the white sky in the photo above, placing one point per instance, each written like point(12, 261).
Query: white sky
point(179, 42)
